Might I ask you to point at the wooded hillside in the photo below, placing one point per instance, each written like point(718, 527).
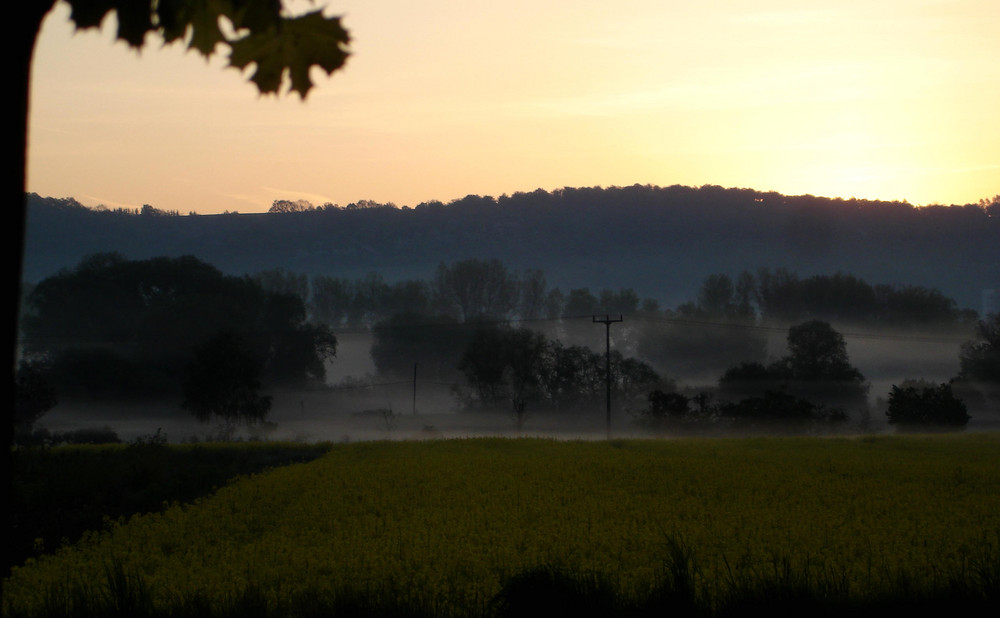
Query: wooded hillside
point(661, 241)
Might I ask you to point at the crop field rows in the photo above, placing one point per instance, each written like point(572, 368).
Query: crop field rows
point(447, 522)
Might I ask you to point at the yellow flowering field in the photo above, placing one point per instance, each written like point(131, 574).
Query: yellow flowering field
point(448, 521)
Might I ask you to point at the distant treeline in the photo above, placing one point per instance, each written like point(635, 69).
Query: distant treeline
point(771, 198)
point(113, 327)
point(659, 241)
point(470, 290)
point(433, 322)
point(68, 204)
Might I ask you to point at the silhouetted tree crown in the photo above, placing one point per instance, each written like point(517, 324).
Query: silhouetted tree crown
point(502, 365)
point(980, 358)
point(816, 368)
point(476, 289)
point(926, 407)
point(223, 380)
point(817, 352)
point(146, 317)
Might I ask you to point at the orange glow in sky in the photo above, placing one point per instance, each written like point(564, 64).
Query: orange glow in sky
point(880, 99)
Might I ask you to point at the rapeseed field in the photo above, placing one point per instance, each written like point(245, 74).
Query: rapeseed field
point(444, 524)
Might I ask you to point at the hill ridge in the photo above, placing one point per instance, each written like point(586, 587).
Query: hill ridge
point(661, 241)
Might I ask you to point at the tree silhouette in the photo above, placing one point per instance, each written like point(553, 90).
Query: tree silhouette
point(817, 352)
point(580, 302)
point(476, 289)
point(261, 33)
point(504, 365)
point(980, 358)
point(991, 205)
point(778, 408)
point(223, 380)
point(816, 369)
point(665, 407)
point(113, 327)
point(979, 378)
point(716, 295)
point(925, 407)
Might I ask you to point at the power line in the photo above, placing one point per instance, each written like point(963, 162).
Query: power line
point(779, 330)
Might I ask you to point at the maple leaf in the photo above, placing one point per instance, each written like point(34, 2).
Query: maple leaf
point(88, 13)
point(201, 17)
point(255, 14)
point(265, 37)
point(134, 21)
point(177, 17)
point(138, 17)
point(295, 45)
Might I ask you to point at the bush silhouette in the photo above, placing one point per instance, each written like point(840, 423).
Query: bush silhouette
point(926, 407)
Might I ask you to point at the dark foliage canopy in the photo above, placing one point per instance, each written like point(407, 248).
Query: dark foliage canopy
point(114, 326)
point(666, 406)
point(770, 410)
point(817, 352)
point(476, 289)
point(926, 407)
point(781, 408)
point(816, 368)
point(223, 380)
point(980, 358)
point(783, 295)
point(503, 365)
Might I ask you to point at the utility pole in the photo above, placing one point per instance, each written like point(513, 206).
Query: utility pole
point(607, 320)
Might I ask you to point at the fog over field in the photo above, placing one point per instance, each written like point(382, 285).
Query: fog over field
point(350, 412)
point(498, 302)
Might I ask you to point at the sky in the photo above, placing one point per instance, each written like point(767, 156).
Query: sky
point(874, 99)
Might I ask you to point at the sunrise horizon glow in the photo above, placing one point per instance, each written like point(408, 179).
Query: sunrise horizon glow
point(882, 100)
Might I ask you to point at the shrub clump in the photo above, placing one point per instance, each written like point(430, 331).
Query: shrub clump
point(926, 406)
